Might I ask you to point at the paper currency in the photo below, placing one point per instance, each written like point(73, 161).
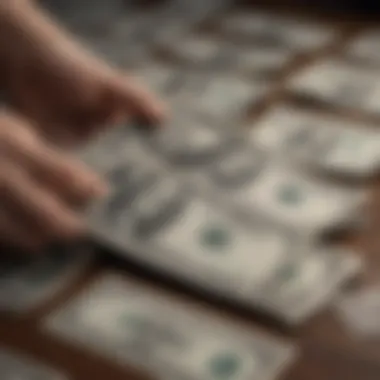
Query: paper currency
point(250, 183)
point(120, 52)
point(28, 282)
point(195, 11)
point(149, 210)
point(366, 47)
point(157, 334)
point(334, 146)
point(13, 366)
point(112, 30)
point(198, 239)
point(255, 60)
point(131, 39)
point(308, 283)
point(188, 141)
point(248, 23)
point(253, 185)
point(277, 31)
point(177, 17)
point(194, 240)
point(82, 16)
point(111, 147)
point(296, 200)
point(359, 312)
point(196, 50)
point(339, 84)
point(158, 77)
point(221, 98)
point(304, 35)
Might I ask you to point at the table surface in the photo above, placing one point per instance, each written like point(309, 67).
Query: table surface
point(328, 350)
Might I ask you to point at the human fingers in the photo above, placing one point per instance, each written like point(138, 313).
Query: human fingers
point(65, 175)
point(51, 168)
point(17, 233)
point(117, 99)
point(37, 207)
point(25, 165)
point(128, 96)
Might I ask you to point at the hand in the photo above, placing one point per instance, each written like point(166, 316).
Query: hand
point(40, 188)
point(68, 92)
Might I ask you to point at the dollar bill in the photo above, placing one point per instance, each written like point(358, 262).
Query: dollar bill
point(365, 48)
point(14, 365)
point(170, 31)
point(307, 284)
point(178, 17)
point(114, 51)
point(221, 98)
point(28, 282)
point(114, 30)
point(339, 84)
point(165, 338)
point(304, 35)
point(86, 16)
point(334, 146)
point(273, 30)
point(158, 77)
point(195, 11)
point(357, 310)
point(208, 52)
point(194, 236)
point(248, 24)
point(189, 141)
point(150, 211)
point(252, 183)
point(255, 60)
point(110, 147)
point(195, 49)
point(283, 194)
point(130, 41)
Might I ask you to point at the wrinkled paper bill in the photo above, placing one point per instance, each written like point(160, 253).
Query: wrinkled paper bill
point(326, 143)
point(137, 326)
point(252, 182)
point(161, 222)
point(278, 31)
point(359, 312)
point(366, 47)
point(336, 83)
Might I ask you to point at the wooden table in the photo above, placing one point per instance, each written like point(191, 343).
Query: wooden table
point(328, 351)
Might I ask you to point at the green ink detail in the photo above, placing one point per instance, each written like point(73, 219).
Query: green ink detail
point(134, 321)
point(300, 139)
point(224, 366)
point(287, 273)
point(215, 237)
point(290, 195)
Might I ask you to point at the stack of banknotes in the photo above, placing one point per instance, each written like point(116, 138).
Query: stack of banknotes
point(240, 213)
point(246, 230)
